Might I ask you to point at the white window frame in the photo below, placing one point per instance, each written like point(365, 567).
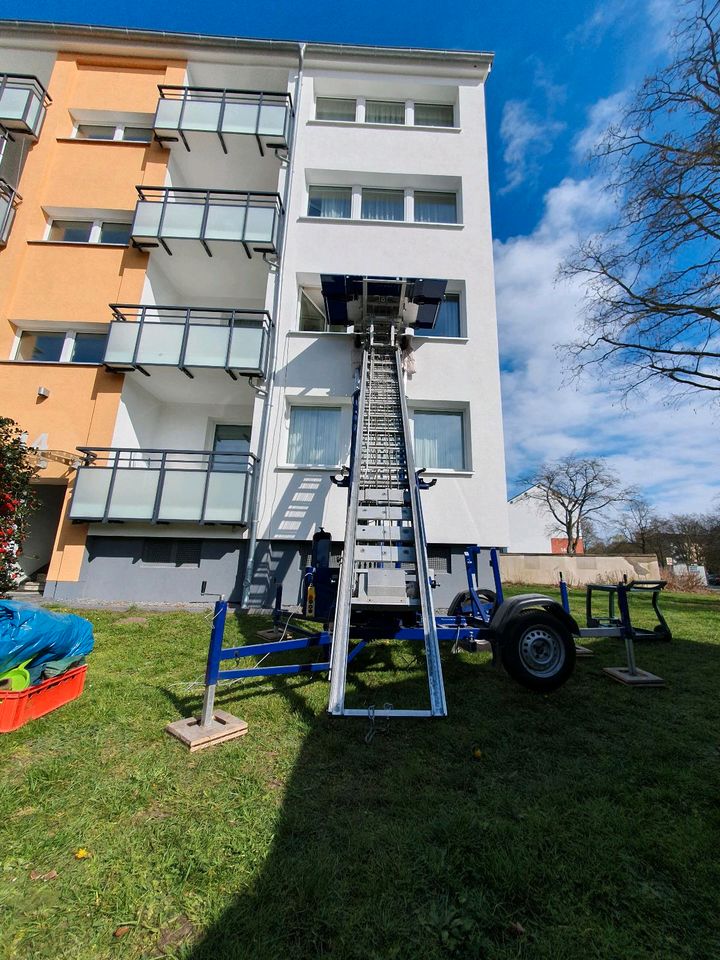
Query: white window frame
point(360, 108)
point(68, 343)
point(408, 209)
point(95, 230)
point(462, 410)
point(318, 403)
point(116, 119)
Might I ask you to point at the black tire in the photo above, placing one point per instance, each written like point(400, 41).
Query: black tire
point(461, 601)
point(538, 651)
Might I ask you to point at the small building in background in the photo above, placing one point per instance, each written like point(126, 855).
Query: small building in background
point(533, 528)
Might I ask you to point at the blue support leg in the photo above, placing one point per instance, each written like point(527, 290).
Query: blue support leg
point(212, 669)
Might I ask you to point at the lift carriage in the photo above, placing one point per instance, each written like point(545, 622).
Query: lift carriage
point(383, 587)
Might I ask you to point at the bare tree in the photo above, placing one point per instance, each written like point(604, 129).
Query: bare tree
point(651, 278)
point(575, 489)
point(637, 522)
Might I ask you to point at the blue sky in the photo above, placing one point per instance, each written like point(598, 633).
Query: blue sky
point(561, 70)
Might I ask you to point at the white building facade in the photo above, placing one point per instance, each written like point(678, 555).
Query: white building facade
point(286, 165)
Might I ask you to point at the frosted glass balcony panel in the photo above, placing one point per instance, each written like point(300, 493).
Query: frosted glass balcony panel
point(13, 102)
point(240, 118)
point(133, 495)
point(246, 350)
point(147, 219)
point(206, 346)
point(201, 115)
point(272, 119)
point(182, 220)
point(91, 490)
point(7, 215)
point(182, 495)
point(168, 114)
point(260, 224)
point(121, 342)
point(161, 343)
point(225, 497)
point(225, 222)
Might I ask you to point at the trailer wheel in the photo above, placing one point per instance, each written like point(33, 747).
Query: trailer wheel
point(462, 603)
point(538, 651)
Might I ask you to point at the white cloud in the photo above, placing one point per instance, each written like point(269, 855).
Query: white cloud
point(601, 115)
point(526, 137)
point(669, 452)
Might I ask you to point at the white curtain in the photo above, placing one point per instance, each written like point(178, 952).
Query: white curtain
point(439, 440)
point(383, 205)
point(434, 114)
point(384, 111)
point(331, 108)
point(329, 202)
point(314, 436)
point(435, 207)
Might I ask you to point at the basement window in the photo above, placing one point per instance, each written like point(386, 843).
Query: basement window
point(166, 552)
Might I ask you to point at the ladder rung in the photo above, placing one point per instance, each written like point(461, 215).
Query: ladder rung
point(384, 512)
point(383, 554)
point(384, 534)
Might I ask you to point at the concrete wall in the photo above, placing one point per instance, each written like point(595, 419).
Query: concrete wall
point(546, 568)
point(113, 569)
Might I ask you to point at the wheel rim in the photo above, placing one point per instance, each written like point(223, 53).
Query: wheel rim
point(541, 651)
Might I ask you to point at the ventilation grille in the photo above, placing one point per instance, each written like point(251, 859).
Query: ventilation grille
point(180, 553)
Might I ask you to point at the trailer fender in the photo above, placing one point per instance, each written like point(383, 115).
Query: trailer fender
point(516, 606)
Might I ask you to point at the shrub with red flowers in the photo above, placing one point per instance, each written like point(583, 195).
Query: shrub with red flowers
point(17, 500)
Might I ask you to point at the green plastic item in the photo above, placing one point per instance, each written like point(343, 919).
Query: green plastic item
point(19, 677)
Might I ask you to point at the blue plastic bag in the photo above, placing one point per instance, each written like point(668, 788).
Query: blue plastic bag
point(29, 633)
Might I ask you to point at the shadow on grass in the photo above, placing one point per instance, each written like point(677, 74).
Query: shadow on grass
point(582, 830)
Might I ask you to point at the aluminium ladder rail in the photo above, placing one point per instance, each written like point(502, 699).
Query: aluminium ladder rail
point(385, 528)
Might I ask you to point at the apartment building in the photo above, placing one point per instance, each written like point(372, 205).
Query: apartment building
point(184, 220)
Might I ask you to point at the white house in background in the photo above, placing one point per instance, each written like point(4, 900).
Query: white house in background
point(533, 528)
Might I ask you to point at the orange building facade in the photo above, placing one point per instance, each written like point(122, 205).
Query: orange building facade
point(61, 287)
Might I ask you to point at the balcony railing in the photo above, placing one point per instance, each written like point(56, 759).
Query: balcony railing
point(266, 116)
point(23, 102)
point(142, 337)
point(9, 200)
point(180, 213)
point(163, 486)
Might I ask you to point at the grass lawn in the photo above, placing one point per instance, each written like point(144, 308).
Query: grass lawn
point(589, 827)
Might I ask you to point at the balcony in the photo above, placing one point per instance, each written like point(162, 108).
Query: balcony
point(189, 338)
point(23, 102)
point(9, 201)
point(163, 486)
point(175, 213)
point(265, 116)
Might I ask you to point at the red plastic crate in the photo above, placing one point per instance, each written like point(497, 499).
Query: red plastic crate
point(17, 708)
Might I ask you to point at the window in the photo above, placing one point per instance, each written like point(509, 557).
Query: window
point(90, 231)
point(138, 134)
point(89, 347)
point(71, 231)
point(46, 347)
point(332, 108)
point(233, 441)
point(181, 553)
point(313, 318)
point(384, 111)
point(329, 201)
point(434, 115)
point(439, 440)
point(314, 436)
point(383, 205)
point(64, 346)
point(447, 323)
point(431, 207)
point(113, 131)
point(95, 131)
point(114, 232)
